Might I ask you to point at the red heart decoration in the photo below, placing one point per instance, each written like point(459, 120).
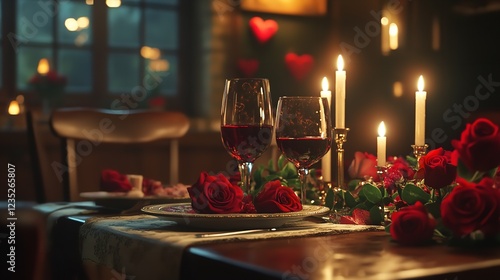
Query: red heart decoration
point(263, 30)
point(248, 66)
point(299, 66)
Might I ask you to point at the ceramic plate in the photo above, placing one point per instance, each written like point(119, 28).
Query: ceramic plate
point(182, 213)
point(120, 200)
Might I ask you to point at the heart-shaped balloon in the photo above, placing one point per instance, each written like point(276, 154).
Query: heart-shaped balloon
point(248, 66)
point(263, 30)
point(299, 65)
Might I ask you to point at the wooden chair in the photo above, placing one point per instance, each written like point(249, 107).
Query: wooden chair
point(37, 154)
point(84, 128)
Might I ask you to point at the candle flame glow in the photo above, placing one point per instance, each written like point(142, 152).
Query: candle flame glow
point(340, 63)
point(43, 66)
point(14, 108)
point(393, 36)
point(381, 129)
point(420, 84)
point(324, 84)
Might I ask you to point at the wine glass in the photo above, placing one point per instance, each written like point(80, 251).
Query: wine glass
point(247, 122)
point(303, 133)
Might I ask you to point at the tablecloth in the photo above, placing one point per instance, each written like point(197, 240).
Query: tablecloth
point(147, 247)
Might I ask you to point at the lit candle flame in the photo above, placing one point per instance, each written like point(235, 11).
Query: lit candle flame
point(324, 84)
point(420, 84)
point(14, 108)
point(393, 36)
point(340, 63)
point(381, 129)
point(43, 66)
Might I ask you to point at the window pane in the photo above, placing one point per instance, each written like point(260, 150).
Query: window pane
point(76, 66)
point(161, 75)
point(161, 29)
point(168, 2)
point(27, 63)
point(123, 72)
point(74, 23)
point(34, 21)
point(123, 26)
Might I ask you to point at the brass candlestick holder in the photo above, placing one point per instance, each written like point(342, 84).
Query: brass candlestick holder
point(340, 139)
point(381, 170)
point(419, 151)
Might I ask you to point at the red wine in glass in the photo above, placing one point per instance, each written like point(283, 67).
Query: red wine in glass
point(304, 151)
point(303, 133)
point(246, 123)
point(246, 142)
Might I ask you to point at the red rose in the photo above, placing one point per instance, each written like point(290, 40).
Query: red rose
point(437, 168)
point(151, 187)
point(403, 166)
point(470, 207)
point(276, 198)
point(412, 225)
point(359, 217)
point(215, 194)
point(363, 166)
point(479, 145)
point(113, 181)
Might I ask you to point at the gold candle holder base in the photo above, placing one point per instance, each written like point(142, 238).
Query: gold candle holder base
point(419, 151)
point(381, 170)
point(340, 139)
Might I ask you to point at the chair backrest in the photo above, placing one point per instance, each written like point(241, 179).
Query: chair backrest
point(37, 154)
point(97, 126)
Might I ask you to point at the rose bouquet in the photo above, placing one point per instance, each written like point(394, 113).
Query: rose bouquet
point(49, 86)
point(448, 196)
point(218, 194)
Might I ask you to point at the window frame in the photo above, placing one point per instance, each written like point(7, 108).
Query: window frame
point(99, 95)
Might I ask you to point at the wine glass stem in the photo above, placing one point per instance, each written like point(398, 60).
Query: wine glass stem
point(303, 173)
point(245, 171)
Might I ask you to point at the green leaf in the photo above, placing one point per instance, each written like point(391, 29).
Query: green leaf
point(411, 194)
point(330, 198)
point(434, 209)
point(294, 182)
point(464, 172)
point(282, 161)
point(272, 177)
point(376, 217)
point(350, 200)
point(270, 165)
point(388, 228)
point(412, 161)
point(371, 193)
point(353, 184)
point(289, 171)
point(492, 172)
point(365, 205)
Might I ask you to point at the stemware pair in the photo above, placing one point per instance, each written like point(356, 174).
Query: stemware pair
point(303, 127)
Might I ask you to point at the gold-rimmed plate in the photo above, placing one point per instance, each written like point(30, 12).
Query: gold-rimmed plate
point(183, 214)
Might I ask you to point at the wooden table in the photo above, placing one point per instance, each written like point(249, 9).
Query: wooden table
point(360, 255)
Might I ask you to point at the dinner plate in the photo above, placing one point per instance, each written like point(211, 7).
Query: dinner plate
point(182, 213)
point(120, 200)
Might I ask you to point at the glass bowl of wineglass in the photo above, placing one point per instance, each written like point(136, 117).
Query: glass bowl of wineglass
point(246, 123)
point(303, 133)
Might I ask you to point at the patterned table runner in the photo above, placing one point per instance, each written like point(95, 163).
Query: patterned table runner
point(147, 247)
